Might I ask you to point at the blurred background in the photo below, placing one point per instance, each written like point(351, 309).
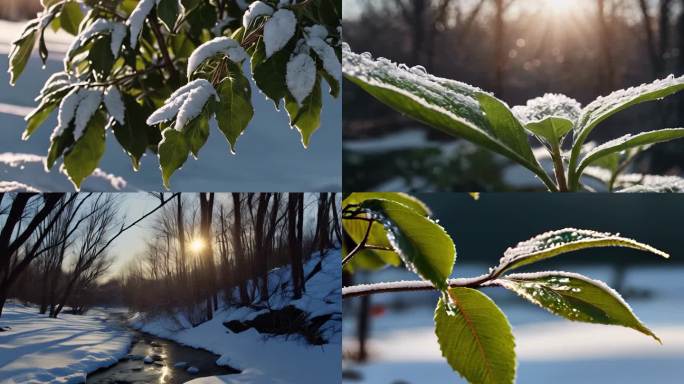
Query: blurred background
point(389, 338)
point(270, 155)
point(518, 49)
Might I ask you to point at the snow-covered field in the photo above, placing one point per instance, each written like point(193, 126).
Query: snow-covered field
point(262, 358)
point(38, 349)
point(270, 156)
point(549, 350)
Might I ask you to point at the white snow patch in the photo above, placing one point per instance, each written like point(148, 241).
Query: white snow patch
point(256, 9)
point(326, 53)
point(137, 18)
point(549, 105)
point(15, 186)
point(67, 111)
point(278, 30)
point(100, 26)
point(301, 76)
point(114, 104)
point(225, 45)
point(185, 104)
point(89, 103)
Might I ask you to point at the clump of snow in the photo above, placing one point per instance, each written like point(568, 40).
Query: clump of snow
point(637, 183)
point(185, 104)
point(278, 30)
point(137, 18)
point(114, 104)
point(301, 76)
point(317, 30)
point(255, 10)
point(225, 45)
point(549, 105)
point(449, 97)
point(89, 103)
point(15, 186)
point(38, 349)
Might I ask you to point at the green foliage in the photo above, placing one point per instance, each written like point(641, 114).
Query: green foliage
point(470, 113)
point(146, 49)
point(473, 333)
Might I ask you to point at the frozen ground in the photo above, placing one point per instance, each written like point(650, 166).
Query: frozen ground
point(550, 350)
point(37, 349)
point(268, 359)
point(270, 156)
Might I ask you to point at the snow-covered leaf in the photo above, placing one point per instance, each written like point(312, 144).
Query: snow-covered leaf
point(475, 337)
point(186, 103)
point(132, 133)
point(300, 76)
point(278, 31)
point(269, 73)
point(70, 17)
point(114, 104)
point(81, 160)
point(331, 64)
point(90, 100)
point(196, 131)
point(219, 45)
point(20, 54)
point(38, 117)
point(575, 297)
point(136, 20)
point(306, 117)
point(256, 9)
point(635, 183)
point(235, 109)
point(554, 243)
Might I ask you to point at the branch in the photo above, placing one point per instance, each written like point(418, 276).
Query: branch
point(359, 246)
point(156, 29)
point(487, 280)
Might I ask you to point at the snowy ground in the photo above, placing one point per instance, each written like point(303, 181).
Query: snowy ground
point(549, 350)
point(268, 359)
point(270, 155)
point(37, 349)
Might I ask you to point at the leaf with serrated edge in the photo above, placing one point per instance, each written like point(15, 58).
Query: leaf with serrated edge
point(475, 337)
point(398, 197)
point(575, 297)
point(554, 243)
point(423, 245)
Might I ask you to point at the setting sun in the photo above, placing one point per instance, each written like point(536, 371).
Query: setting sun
point(197, 245)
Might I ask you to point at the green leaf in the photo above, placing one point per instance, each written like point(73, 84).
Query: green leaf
point(100, 56)
point(398, 197)
point(447, 105)
point(475, 337)
point(132, 135)
point(168, 11)
point(356, 230)
point(269, 74)
point(332, 82)
point(423, 245)
point(70, 17)
point(628, 142)
point(20, 54)
point(82, 159)
point(235, 109)
point(553, 129)
point(58, 144)
point(306, 117)
point(604, 107)
point(551, 244)
point(37, 117)
point(196, 132)
point(575, 297)
point(173, 152)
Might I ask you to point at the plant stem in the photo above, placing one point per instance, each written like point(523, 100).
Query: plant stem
point(486, 280)
point(558, 167)
point(156, 29)
point(360, 246)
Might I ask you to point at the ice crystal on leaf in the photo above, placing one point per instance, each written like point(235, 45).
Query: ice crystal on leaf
point(549, 105)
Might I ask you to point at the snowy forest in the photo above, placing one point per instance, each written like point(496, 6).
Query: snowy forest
point(195, 268)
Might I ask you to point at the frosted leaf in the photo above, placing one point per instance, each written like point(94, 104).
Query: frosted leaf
point(549, 105)
point(56, 81)
point(67, 111)
point(449, 97)
point(225, 45)
point(301, 76)
point(650, 184)
point(327, 54)
point(114, 104)
point(89, 103)
point(597, 110)
point(185, 104)
point(317, 31)
point(256, 9)
point(137, 18)
point(100, 26)
point(278, 30)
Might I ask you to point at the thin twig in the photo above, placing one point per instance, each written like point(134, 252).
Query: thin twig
point(359, 246)
point(486, 280)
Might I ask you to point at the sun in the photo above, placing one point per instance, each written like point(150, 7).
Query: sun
point(197, 245)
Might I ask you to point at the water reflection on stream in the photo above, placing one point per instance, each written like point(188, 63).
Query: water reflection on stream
point(166, 355)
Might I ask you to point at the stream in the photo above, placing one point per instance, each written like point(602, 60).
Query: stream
point(169, 366)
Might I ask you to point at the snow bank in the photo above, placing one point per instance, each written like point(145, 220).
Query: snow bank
point(269, 359)
point(63, 350)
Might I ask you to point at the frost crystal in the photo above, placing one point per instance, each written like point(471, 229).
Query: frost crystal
point(301, 76)
point(449, 97)
point(225, 45)
point(549, 105)
point(114, 104)
point(186, 103)
point(256, 9)
point(137, 18)
point(278, 30)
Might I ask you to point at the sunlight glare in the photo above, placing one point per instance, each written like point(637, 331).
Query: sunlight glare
point(562, 6)
point(197, 245)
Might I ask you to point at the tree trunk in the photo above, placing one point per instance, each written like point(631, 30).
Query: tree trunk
point(206, 218)
point(238, 247)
